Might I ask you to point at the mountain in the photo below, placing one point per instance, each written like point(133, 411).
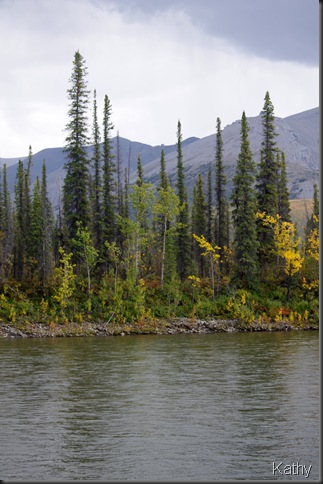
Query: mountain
point(298, 137)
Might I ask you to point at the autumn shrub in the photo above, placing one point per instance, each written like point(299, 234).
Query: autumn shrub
point(204, 308)
point(5, 307)
point(25, 307)
point(277, 293)
point(309, 310)
point(220, 307)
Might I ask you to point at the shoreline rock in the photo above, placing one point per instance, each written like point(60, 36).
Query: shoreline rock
point(171, 326)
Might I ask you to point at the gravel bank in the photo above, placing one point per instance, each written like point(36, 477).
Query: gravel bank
point(171, 326)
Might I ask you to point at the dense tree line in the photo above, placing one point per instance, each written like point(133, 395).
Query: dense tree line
point(116, 251)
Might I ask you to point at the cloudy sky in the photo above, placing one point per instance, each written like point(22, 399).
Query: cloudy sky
point(157, 60)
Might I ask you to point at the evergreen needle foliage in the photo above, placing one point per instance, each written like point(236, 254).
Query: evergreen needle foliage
point(120, 253)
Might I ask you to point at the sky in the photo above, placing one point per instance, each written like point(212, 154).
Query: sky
point(159, 61)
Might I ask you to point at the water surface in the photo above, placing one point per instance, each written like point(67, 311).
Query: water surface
point(180, 407)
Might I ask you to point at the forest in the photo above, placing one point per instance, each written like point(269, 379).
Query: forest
point(120, 252)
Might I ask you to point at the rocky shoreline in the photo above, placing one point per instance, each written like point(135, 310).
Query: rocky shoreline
point(171, 326)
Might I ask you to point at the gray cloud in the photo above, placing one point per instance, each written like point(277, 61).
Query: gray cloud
point(158, 60)
point(286, 30)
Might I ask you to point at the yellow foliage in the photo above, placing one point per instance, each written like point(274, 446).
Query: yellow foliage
point(229, 305)
point(12, 315)
point(3, 300)
point(243, 298)
point(43, 306)
point(64, 278)
point(209, 248)
point(195, 280)
point(310, 285)
point(267, 219)
point(287, 244)
point(79, 317)
point(279, 316)
point(313, 242)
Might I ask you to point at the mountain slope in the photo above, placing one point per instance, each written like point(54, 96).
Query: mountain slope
point(298, 137)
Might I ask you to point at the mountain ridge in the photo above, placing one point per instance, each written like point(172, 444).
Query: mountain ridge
point(298, 137)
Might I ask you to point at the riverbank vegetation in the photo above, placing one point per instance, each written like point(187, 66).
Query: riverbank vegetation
point(126, 254)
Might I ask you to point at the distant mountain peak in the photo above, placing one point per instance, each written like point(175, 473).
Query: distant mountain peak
point(298, 137)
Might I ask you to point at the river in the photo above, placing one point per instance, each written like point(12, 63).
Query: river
point(183, 407)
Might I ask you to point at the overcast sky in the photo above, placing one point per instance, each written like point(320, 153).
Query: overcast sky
point(157, 60)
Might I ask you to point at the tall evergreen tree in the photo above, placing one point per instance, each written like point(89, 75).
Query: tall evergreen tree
point(1, 201)
point(200, 208)
point(141, 194)
point(20, 226)
point(160, 224)
point(313, 221)
point(47, 257)
point(37, 229)
point(6, 229)
point(119, 178)
point(109, 169)
point(283, 193)
point(244, 204)
point(209, 218)
point(267, 182)
point(199, 224)
point(126, 190)
point(126, 207)
point(75, 188)
point(183, 240)
point(221, 222)
point(164, 182)
point(27, 202)
point(140, 172)
point(97, 181)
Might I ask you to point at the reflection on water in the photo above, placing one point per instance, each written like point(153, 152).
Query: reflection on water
point(185, 407)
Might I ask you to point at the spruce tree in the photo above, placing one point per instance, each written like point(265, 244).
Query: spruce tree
point(160, 224)
point(97, 181)
point(75, 188)
point(267, 183)
point(141, 194)
point(221, 222)
point(20, 227)
point(209, 218)
point(27, 200)
point(244, 205)
point(36, 229)
point(6, 230)
point(312, 250)
point(283, 193)
point(313, 221)
point(119, 179)
point(164, 182)
point(47, 256)
point(119, 194)
point(126, 205)
point(109, 169)
point(140, 172)
point(183, 240)
point(199, 225)
point(1, 201)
